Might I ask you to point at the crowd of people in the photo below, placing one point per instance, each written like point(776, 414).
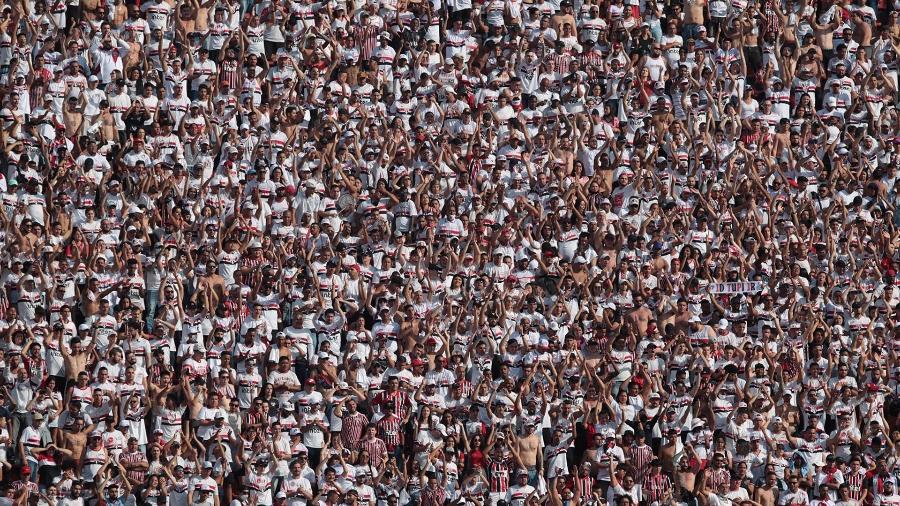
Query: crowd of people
point(449, 252)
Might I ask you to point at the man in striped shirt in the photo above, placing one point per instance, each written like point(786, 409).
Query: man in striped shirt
point(393, 396)
point(366, 36)
point(24, 487)
point(559, 60)
point(389, 429)
point(856, 480)
point(498, 471)
point(376, 447)
point(135, 463)
point(433, 494)
point(641, 455)
point(717, 477)
point(352, 423)
point(657, 487)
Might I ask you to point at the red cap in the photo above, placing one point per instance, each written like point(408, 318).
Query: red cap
point(418, 361)
point(310, 381)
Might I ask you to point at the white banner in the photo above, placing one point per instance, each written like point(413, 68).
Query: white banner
point(741, 287)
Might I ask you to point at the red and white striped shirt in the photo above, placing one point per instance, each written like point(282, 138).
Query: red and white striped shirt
point(856, 482)
point(352, 427)
point(499, 472)
point(135, 457)
point(559, 63)
point(717, 480)
point(585, 485)
point(433, 495)
point(656, 487)
point(641, 456)
point(398, 399)
point(389, 431)
point(377, 450)
point(366, 38)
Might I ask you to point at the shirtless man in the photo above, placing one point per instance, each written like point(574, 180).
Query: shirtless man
point(75, 359)
point(824, 35)
point(73, 116)
point(91, 295)
point(565, 15)
point(658, 264)
point(201, 15)
point(529, 449)
point(212, 287)
point(74, 438)
point(679, 315)
point(133, 56)
point(107, 123)
point(579, 271)
point(693, 18)
point(767, 494)
point(640, 316)
point(185, 17)
point(685, 478)
point(119, 12)
point(89, 8)
point(862, 31)
point(782, 140)
point(750, 33)
point(409, 329)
